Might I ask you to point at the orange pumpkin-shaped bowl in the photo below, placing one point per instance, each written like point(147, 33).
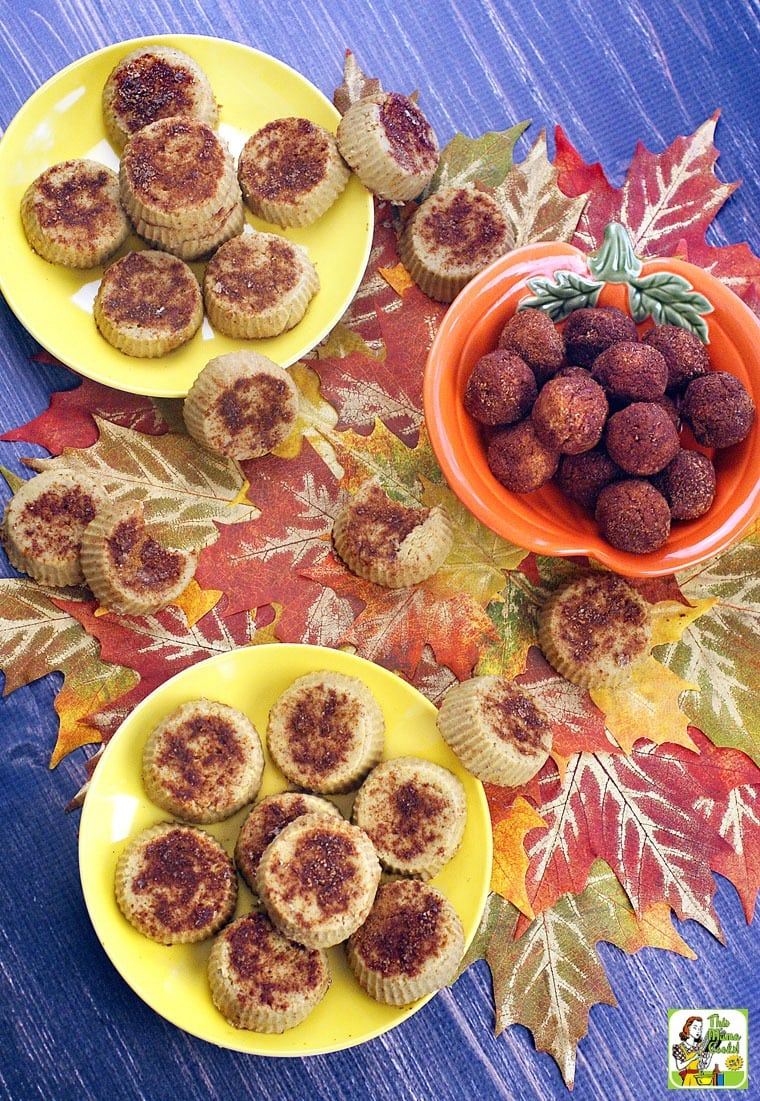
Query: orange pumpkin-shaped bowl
point(545, 521)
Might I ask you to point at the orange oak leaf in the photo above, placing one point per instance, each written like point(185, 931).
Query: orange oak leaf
point(509, 860)
point(88, 687)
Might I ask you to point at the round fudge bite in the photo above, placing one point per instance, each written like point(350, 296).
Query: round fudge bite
point(631, 371)
point(684, 353)
point(718, 409)
point(501, 388)
point(519, 460)
point(533, 336)
point(591, 329)
point(641, 438)
point(570, 412)
point(633, 516)
point(688, 484)
point(581, 477)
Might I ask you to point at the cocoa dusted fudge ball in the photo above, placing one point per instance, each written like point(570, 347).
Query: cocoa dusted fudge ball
point(633, 516)
point(718, 409)
point(501, 388)
point(519, 459)
point(641, 438)
point(533, 335)
point(631, 371)
point(684, 353)
point(591, 329)
point(570, 412)
point(582, 477)
point(688, 484)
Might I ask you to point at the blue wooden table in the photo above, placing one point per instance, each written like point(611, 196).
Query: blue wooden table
point(611, 73)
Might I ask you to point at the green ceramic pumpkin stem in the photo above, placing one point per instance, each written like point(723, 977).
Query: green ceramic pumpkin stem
point(615, 260)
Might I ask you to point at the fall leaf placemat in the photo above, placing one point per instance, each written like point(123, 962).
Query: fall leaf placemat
point(611, 839)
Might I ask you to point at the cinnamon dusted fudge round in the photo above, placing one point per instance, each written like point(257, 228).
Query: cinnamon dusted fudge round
point(496, 728)
point(127, 568)
point(290, 171)
point(718, 408)
point(501, 388)
point(317, 879)
point(451, 236)
point(203, 761)
point(72, 214)
point(242, 404)
point(326, 731)
point(532, 335)
point(262, 981)
point(175, 883)
point(414, 812)
point(44, 522)
point(266, 819)
point(389, 543)
point(152, 82)
point(410, 945)
point(389, 143)
point(258, 285)
point(595, 629)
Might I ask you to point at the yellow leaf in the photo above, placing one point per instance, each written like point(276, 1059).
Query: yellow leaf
point(646, 706)
point(397, 277)
point(195, 602)
point(89, 687)
point(671, 618)
point(509, 860)
point(316, 419)
point(342, 341)
point(656, 926)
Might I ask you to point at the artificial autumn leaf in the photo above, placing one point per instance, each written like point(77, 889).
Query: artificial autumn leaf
point(636, 812)
point(89, 685)
point(549, 977)
point(355, 84)
point(394, 625)
point(535, 207)
point(719, 651)
point(665, 196)
point(182, 485)
point(69, 420)
point(646, 706)
point(484, 160)
point(316, 417)
point(509, 860)
point(479, 560)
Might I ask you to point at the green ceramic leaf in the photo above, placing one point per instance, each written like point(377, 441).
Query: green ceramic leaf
point(669, 299)
point(559, 296)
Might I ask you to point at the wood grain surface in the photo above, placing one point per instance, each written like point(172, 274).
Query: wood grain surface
point(611, 73)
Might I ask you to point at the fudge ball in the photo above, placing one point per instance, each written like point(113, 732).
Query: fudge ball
point(591, 329)
point(519, 459)
point(569, 413)
point(633, 516)
point(582, 477)
point(688, 484)
point(684, 353)
point(501, 388)
point(641, 438)
point(718, 409)
point(631, 371)
point(533, 335)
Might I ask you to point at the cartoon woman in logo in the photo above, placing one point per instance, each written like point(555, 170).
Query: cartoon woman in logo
point(691, 1055)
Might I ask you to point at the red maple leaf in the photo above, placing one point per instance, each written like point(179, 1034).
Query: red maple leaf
point(68, 420)
point(637, 813)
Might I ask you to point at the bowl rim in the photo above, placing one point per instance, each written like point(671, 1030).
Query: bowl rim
point(476, 316)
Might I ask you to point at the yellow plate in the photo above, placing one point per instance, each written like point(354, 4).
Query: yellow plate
point(173, 980)
point(63, 119)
